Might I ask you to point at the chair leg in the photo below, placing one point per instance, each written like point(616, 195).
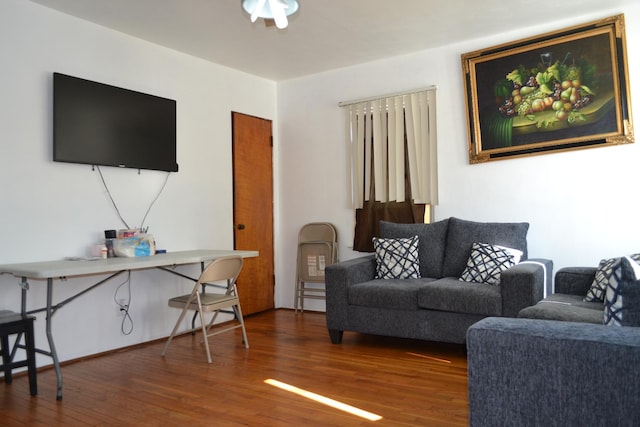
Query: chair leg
point(175, 328)
point(241, 320)
point(6, 358)
point(193, 322)
point(213, 319)
point(205, 335)
point(203, 324)
point(238, 317)
point(31, 358)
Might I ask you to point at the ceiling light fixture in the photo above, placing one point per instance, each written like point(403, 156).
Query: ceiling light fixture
point(278, 10)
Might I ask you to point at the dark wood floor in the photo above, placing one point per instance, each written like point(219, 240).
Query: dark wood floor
point(406, 382)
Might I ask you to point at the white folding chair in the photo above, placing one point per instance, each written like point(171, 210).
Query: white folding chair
point(221, 269)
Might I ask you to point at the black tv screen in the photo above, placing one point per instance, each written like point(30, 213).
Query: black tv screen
point(99, 124)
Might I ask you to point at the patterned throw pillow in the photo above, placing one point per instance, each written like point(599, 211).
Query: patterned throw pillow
point(397, 258)
point(515, 253)
point(601, 280)
point(622, 297)
point(486, 263)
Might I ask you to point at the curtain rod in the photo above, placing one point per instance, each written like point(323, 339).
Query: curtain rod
point(373, 98)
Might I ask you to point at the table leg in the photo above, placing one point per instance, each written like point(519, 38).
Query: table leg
point(52, 346)
point(24, 287)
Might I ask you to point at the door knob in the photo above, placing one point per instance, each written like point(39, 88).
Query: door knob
point(240, 226)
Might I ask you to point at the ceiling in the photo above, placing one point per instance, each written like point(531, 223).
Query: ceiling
point(324, 34)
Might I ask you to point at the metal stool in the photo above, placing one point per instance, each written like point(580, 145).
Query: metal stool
point(12, 323)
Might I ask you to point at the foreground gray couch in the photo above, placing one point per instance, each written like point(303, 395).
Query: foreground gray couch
point(438, 306)
point(530, 372)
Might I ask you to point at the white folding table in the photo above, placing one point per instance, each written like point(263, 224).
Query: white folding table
point(50, 270)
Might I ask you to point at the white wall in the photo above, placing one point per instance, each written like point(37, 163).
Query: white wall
point(582, 205)
point(53, 210)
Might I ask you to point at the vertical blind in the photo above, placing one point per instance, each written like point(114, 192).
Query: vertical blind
point(376, 129)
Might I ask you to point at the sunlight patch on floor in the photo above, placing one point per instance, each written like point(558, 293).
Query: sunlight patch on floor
point(424, 356)
point(324, 400)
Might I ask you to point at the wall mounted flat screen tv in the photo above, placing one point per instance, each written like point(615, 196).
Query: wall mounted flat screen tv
point(103, 125)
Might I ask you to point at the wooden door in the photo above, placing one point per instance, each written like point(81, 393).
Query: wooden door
point(253, 209)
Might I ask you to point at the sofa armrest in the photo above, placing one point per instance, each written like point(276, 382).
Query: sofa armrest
point(525, 284)
point(545, 372)
point(574, 280)
point(338, 278)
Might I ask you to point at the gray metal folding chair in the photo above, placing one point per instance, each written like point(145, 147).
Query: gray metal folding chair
point(221, 269)
point(317, 248)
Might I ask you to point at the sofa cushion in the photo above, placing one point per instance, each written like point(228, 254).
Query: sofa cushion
point(395, 294)
point(566, 307)
point(601, 280)
point(450, 294)
point(431, 244)
point(622, 299)
point(485, 264)
point(397, 258)
point(462, 234)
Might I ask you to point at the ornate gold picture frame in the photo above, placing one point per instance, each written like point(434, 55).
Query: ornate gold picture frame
point(558, 91)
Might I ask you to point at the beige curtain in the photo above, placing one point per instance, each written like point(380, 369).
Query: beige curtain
point(392, 152)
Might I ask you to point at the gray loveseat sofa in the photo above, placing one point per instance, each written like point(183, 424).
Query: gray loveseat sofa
point(437, 306)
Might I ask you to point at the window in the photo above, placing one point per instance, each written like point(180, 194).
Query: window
point(392, 151)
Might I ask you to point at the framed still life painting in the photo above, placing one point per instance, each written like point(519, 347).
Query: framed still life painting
point(558, 91)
